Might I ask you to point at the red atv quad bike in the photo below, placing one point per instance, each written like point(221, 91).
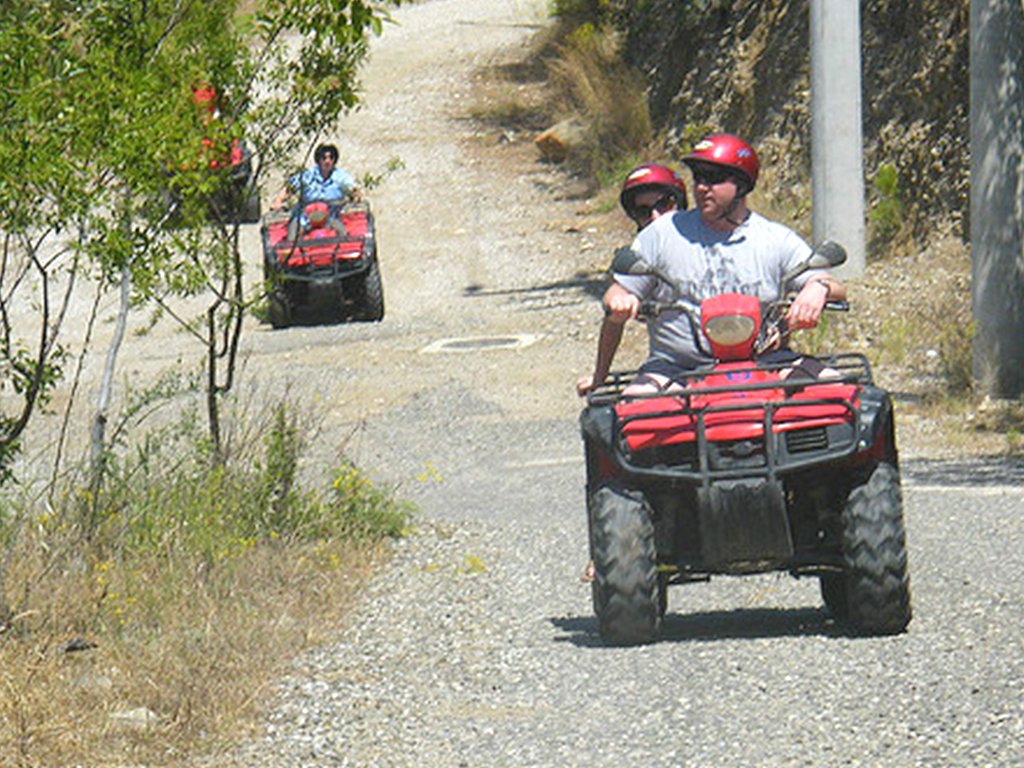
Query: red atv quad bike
point(749, 467)
point(241, 195)
point(341, 265)
point(238, 199)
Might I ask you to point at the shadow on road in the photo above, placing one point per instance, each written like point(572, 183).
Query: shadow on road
point(710, 626)
point(321, 312)
point(977, 472)
point(592, 284)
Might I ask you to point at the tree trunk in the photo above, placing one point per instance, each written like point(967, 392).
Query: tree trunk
point(997, 194)
point(99, 421)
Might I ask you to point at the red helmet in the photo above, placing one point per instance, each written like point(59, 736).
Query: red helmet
point(317, 212)
point(651, 177)
point(204, 96)
point(729, 151)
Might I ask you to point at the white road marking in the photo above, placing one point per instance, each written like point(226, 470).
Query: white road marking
point(974, 490)
point(555, 462)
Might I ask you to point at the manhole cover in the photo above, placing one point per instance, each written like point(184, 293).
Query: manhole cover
point(476, 343)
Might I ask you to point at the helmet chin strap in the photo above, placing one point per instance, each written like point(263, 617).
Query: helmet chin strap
point(727, 215)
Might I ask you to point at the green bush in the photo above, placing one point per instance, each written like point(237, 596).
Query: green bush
point(362, 511)
point(168, 511)
point(886, 216)
point(167, 499)
point(216, 510)
point(581, 10)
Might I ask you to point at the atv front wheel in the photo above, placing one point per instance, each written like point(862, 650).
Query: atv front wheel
point(369, 293)
point(875, 551)
point(628, 594)
point(279, 308)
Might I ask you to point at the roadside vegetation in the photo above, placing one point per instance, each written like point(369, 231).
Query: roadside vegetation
point(146, 618)
point(163, 550)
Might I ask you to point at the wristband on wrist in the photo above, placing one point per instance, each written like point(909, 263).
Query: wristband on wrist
point(825, 282)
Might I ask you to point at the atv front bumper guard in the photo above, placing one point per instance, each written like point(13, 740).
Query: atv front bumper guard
point(337, 269)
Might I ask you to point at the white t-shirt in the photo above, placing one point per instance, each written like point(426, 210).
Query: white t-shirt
point(702, 262)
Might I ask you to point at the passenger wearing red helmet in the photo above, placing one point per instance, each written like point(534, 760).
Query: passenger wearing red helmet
point(649, 191)
point(719, 246)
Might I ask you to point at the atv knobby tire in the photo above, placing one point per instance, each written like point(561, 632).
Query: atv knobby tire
point(369, 293)
point(279, 308)
point(833, 594)
point(875, 555)
point(628, 594)
point(250, 212)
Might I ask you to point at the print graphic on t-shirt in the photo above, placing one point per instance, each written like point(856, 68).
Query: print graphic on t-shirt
point(720, 274)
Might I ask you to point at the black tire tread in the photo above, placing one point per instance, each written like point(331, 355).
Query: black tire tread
point(627, 590)
point(279, 309)
point(875, 551)
point(833, 594)
point(370, 293)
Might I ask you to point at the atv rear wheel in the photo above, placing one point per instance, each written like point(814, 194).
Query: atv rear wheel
point(833, 594)
point(875, 553)
point(250, 207)
point(628, 593)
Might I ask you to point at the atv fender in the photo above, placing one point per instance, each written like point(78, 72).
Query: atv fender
point(876, 439)
point(598, 423)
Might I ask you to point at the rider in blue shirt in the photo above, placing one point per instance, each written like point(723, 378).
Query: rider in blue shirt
point(324, 182)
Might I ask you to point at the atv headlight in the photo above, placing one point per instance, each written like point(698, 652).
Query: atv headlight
point(317, 213)
point(730, 330)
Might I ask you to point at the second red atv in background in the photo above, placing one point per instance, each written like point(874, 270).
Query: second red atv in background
point(239, 197)
point(746, 467)
point(322, 262)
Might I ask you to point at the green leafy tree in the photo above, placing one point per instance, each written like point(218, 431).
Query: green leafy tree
point(108, 166)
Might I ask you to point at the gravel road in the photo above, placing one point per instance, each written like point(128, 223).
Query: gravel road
point(477, 646)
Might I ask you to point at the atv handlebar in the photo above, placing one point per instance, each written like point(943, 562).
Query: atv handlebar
point(654, 308)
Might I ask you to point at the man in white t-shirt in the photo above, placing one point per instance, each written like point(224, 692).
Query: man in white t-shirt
point(719, 246)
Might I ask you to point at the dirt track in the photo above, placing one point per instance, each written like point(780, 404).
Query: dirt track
point(477, 645)
point(477, 238)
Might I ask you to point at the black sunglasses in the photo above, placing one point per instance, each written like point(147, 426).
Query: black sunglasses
point(711, 175)
point(664, 203)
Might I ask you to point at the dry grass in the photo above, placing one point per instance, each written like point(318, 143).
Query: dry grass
point(589, 81)
point(571, 73)
point(143, 624)
point(196, 660)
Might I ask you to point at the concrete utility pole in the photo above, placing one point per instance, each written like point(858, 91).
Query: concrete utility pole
point(837, 167)
point(997, 194)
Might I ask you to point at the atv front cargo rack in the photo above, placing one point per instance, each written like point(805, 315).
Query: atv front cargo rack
point(712, 429)
point(320, 254)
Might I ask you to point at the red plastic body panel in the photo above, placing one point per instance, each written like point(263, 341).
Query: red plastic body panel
point(320, 247)
point(735, 414)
